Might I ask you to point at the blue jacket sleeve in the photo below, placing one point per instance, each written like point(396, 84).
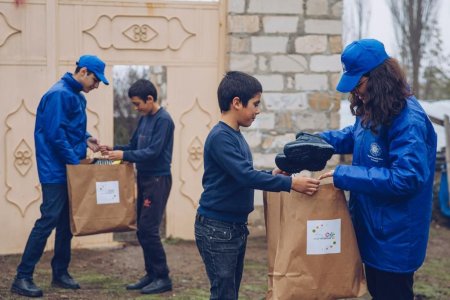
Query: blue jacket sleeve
point(408, 168)
point(57, 108)
point(159, 140)
point(341, 140)
point(225, 149)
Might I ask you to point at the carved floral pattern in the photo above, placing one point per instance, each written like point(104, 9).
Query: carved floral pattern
point(195, 121)
point(23, 155)
point(139, 32)
point(19, 159)
point(196, 153)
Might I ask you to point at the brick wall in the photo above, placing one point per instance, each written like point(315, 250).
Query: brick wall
point(293, 47)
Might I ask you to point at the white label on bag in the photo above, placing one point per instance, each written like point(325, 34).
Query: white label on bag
point(323, 237)
point(107, 192)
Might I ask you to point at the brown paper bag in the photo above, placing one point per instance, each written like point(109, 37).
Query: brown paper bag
point(101, 198)
point(312, 249)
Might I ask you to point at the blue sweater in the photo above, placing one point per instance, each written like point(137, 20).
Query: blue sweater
point(230, 179)
point(151, 145)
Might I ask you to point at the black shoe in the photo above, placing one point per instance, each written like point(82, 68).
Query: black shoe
point(146, 280)
point(284, 164)
point(309, 152)
point(159, 285)
point(26, 287)
point(65, 281)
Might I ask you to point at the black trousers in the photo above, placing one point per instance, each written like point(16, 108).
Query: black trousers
point(389, 286)
point(153, 192)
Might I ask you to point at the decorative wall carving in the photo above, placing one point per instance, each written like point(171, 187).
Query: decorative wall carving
point(196, 122)
point(19, 159)
point(139, 32)
point(23, 158)
point(196, 153)
point(6, 30)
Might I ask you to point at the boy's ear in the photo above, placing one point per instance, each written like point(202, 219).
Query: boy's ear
point(236, 103)
point(83, 71)
point(150, 98)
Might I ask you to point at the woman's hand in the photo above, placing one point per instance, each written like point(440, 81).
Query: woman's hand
point(326, 175)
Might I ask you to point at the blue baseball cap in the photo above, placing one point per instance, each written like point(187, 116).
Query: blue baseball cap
point(94, 65)
point(359, 58)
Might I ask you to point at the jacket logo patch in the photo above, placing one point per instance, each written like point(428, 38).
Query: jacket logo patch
point(147, 203)
point(375, 152)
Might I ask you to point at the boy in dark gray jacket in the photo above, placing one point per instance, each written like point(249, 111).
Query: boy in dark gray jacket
point(151, 148)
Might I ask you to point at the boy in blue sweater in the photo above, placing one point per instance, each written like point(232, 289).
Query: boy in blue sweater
point(151, 148)
point(229, 181)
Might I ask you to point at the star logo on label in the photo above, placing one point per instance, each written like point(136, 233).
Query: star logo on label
point(147, 203)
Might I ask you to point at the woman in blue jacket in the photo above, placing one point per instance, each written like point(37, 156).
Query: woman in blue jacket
point(391, 177)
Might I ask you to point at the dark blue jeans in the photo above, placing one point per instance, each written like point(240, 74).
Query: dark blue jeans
point(389, 286)
point(54, 214)
point(222, 248)
point(153, 192)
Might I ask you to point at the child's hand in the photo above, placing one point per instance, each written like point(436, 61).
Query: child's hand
point(305, 185)
point(104, 149)
point(326, 175)
point(115, 155)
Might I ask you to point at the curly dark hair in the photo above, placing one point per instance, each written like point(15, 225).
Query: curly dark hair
point(386, 95)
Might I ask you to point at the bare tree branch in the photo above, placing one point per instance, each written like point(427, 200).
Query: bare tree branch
point(357, 19)
point(413, 20)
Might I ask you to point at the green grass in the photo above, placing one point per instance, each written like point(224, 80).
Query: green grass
point(255, 266)
point(172, 241)
point(260, 289)
point(436, 286)
point(189, 294)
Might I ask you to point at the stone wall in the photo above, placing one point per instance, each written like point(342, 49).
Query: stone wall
point(293, 47)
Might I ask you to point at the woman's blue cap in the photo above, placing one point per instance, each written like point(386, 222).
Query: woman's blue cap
point(359, 58)
point(94, 65)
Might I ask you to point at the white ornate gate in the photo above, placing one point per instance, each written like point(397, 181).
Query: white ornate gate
point(41, 40)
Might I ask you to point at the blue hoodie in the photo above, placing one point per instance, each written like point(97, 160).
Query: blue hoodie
point(391, 187)
point(60, 131)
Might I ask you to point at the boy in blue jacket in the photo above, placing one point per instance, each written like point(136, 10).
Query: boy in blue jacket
point(151, 148)
point(391, 177)
point(229, 181)
point(60, 138)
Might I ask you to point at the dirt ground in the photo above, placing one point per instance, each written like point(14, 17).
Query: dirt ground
point(104, 273)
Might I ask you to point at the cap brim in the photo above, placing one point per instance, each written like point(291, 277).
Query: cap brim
point(348, 82)
point(102, 78)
